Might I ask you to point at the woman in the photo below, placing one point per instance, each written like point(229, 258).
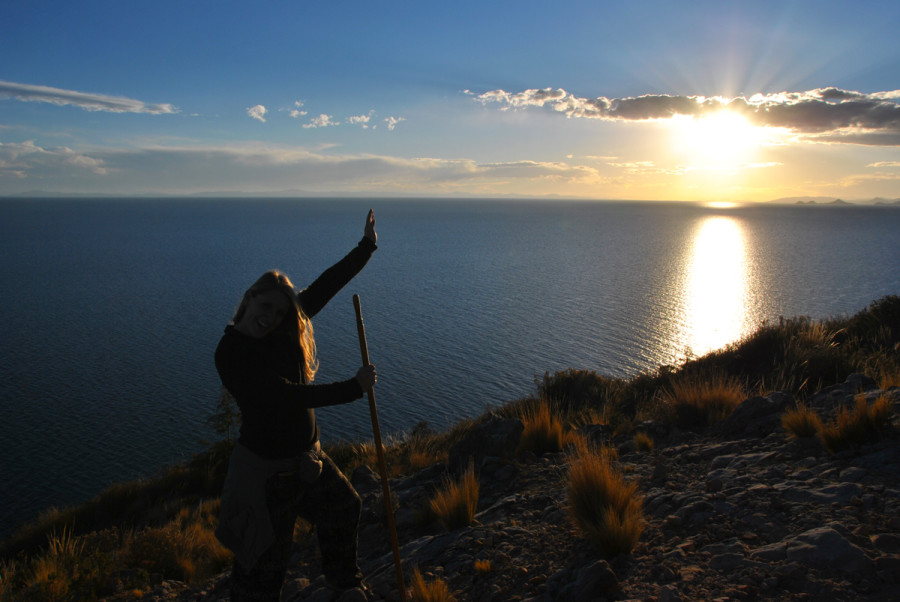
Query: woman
point(267, 360)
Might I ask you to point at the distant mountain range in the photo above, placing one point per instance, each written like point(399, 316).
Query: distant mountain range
point(828, 200)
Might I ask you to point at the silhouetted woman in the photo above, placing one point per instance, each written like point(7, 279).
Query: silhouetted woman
point(267, 360)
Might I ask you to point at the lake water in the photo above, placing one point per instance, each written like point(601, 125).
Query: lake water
point(111, 309)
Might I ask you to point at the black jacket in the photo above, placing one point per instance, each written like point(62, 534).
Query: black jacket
point(265, 375)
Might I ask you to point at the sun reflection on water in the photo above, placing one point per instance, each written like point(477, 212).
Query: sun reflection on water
point(716, 286)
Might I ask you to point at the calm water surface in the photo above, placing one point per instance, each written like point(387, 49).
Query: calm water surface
point(112, 309)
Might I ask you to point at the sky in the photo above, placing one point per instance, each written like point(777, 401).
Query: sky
point(644, 100)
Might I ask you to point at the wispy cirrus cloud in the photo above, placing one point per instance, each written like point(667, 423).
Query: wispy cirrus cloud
point(83, 100)
point(825, 114)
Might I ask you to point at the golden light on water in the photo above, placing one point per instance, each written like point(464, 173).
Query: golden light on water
point(716, 286)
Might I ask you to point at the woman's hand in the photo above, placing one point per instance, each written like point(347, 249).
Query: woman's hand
point(370, 226)
point(366, 377)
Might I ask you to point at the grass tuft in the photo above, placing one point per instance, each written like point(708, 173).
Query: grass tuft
point(544, 432)
point(482, 567)
point(435, 590)
point(643, 442)
point(603, 505)
point(801, 422)
point(853, 428)
point(695, 402)
point(455, 503)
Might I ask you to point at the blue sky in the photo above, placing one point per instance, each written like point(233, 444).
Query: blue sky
point(641, 100)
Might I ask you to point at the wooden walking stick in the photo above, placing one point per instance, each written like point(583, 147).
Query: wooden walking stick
point(385, 488)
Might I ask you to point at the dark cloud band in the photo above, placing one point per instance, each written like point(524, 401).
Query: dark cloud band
point(831, 114)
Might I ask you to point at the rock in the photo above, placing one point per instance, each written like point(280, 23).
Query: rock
point(888, 568)
point(825, 548)
point(593, 581)
point(887, 543)
point(842, 394)
point(755, 416)
point(365, 481)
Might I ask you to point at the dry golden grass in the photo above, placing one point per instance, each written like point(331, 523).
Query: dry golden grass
point(544, 432)
point(435, 590)
point(643, 442)
point(455, 503)
point(482, 567)
point(890, 379)
point(74, 567)
point(603, 505)
point(696, 402)
point(857, 427)
point(51, 575)
point(801, 422)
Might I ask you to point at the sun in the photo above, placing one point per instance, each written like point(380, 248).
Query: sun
point(720, 140)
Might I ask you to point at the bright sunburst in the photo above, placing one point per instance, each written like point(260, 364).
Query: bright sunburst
point(721, 140)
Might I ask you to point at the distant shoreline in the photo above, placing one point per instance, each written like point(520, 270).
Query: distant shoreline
point(289, 195)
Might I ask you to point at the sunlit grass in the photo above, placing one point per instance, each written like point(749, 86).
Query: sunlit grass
point(434, 590)
point(543, 431)
point(801, 422)
point(698, 402)
point(890, 379)
point(603, 505)
point(482, 567)
point(455, 503)
point(853, 428)
point(79, 567)
point(643, 442)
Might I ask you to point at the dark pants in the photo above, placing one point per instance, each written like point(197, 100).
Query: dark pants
point(332, 505)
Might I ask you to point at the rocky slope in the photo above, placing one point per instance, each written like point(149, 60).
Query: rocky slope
point(740, 512)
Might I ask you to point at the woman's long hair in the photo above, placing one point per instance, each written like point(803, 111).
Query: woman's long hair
point(295, 325)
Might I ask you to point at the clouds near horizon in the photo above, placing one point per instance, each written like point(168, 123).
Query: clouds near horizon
point(267, 169)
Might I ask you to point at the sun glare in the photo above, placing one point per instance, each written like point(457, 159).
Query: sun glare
point(716, 290)
point(722, 140)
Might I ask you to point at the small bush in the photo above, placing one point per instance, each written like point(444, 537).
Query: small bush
point(857, 427)
point(435, 590)
point(801, 422)
point(455, 504)
point(574, 389)
point(643, 442)
point(607, 509)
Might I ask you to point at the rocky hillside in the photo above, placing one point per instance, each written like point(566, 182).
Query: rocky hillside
point(738, 512)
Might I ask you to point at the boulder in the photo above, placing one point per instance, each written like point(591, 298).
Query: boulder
point(757, 416)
